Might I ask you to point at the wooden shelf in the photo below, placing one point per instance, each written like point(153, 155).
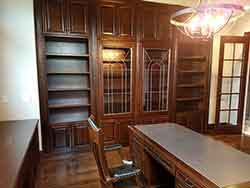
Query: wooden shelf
point(190, 85)
point(190, 71)
point(193, 58)
point(68, 73)
point(69, 89)
point(188, 99)
point(61, 106)
point(66, 55)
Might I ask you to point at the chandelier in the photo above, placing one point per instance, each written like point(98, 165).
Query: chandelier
point(206, 19)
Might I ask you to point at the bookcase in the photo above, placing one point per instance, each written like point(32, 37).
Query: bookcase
point(192, 82)
point(68, 83)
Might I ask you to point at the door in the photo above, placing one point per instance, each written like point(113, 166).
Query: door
point(62, 138)
point(55, 16)
point(78, 17)
point(107, 16)
point(81, 136)
point(231, 83)
point(125, 21)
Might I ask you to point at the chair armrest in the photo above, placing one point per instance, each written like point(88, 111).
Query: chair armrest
point(112, 147)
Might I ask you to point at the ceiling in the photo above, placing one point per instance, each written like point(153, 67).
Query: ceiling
point(191, 3)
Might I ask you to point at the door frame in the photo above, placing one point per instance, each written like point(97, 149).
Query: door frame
point(232, 129)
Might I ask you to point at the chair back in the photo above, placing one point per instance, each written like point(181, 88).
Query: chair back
point(96, 136)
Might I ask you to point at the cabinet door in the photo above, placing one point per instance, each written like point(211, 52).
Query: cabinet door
point(149, 25)
point(125, 21)
point(81, 136)
point(107, 20)
point(61, 139)
point(78, 17)
point(55, 16)
point(163, 25)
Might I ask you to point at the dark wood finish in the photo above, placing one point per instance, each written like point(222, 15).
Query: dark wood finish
point(71, 164)
point(65, 17)
point(191, 81)
point(181, 152)
point(107, 179)
point(116, 19)
point(241, 73)
point(20, 153)
point(71, 83)
point(78, 17)
point(54, 16)
point(155, 22)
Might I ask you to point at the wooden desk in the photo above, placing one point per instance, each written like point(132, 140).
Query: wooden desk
point(192, 159)
point(19, 145)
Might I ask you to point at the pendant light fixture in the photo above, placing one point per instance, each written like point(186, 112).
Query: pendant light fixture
point(206, 19)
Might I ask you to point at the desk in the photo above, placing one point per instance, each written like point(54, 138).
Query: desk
point(192, 159)
point(19, 157)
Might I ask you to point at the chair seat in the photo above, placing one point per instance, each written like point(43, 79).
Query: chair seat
point(125, 171)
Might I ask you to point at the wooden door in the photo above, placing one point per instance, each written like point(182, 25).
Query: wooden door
point(163, 24)
point(62, 139)
point(107, 19)
point(78, 17)
point(125, 21)
point(149, 23)
point(231, 83)
point(81, 137)
point(55, 16)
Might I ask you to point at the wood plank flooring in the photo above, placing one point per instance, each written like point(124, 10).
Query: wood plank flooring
point(79, 170)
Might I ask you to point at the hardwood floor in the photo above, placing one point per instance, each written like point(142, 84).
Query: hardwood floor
point(79, 170)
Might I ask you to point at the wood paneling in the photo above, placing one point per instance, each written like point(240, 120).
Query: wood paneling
point(55, 16)
point(116, 19)
point(67, 17)
point(78, 17)
point(108, 19)
point(126, 21)
point(61, 139)
point(81, 137)
point(149, 23)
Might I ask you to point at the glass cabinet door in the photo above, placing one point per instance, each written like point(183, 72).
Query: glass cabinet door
point(117, 72)
point(156, 73)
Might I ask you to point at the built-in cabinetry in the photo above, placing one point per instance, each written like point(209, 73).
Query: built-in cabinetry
point(68, 17)
point(116, 19)
point(191, 87)
point(68, 81)
point(114, 60)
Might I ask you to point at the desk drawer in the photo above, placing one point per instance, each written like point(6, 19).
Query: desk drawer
point(184, 181)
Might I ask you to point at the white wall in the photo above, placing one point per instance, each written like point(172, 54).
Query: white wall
point(18, 70)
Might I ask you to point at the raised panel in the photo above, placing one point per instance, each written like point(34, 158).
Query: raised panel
point(61, 139)
point(149, 25)
point(81, 136)
point(55, 16)
point(107, 19)
point(109, 133)
point(78, 18)
point(123, 133)
point(163, 23)
point(126, 21)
